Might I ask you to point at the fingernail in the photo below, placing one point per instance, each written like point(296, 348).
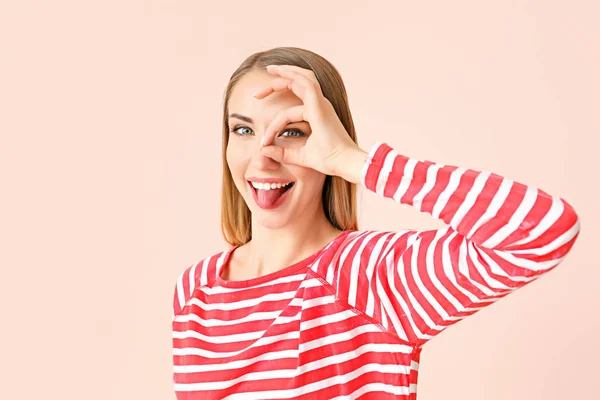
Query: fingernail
point(262, 141)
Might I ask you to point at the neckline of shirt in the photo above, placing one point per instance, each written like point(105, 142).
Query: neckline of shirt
point(273, 275)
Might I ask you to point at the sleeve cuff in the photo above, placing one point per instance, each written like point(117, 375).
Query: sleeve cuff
point(373, 164)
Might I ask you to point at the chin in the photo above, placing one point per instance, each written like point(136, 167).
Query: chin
point(271, 219)
point(271, 223)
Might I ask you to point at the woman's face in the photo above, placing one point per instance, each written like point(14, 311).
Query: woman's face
point(269, 208)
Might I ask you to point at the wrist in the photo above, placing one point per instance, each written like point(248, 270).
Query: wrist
point(351, 163)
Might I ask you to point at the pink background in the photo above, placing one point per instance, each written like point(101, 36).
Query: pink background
point(110, 172)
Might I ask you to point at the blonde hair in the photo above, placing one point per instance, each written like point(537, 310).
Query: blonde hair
point(339, 195)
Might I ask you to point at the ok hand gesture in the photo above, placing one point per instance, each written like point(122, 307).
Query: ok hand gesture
point(329, 144)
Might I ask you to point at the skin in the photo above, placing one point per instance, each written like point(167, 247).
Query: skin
point(300, 222)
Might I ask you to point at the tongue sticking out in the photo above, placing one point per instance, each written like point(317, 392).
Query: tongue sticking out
point(266, 198)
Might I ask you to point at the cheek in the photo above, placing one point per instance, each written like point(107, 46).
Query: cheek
point(236, 160)
point(312, 181)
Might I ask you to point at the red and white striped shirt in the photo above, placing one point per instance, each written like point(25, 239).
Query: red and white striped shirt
point(350, 320)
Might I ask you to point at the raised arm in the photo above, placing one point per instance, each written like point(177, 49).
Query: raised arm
point(501, 235)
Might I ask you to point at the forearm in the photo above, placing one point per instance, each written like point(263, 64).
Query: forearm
point(492, 211)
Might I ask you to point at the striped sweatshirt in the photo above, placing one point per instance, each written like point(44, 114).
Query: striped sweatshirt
point(350, 320)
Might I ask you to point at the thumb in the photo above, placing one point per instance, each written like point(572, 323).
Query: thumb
point(279, 154)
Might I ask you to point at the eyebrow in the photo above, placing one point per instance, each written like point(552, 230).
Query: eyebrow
point(250, 120)
point(242, 117)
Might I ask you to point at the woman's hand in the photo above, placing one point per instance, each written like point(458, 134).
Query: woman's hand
point(328, 149)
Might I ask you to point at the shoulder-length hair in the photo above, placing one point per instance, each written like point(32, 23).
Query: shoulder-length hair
point(339, 195)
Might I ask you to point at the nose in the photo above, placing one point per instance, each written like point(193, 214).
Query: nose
point(261, 161)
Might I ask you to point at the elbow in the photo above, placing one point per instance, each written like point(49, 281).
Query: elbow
point(572, 220)
point(571, 225)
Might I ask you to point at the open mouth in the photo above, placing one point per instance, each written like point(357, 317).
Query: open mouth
point(270, 198)
point(283, 189)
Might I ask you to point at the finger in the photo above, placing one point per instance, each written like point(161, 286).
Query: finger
point(300, 85)
point(276, 85)
point(308, 73)
point(284, 155)
point(281, 120)
point(280, 85)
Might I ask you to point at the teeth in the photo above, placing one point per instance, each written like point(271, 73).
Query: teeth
point(269, 186)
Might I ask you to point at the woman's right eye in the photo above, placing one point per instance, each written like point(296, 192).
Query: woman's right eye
point(235, 130)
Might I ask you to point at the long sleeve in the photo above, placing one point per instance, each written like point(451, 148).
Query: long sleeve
point(186, 283)
point(500, 236)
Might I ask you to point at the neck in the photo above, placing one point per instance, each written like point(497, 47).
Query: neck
point(270, 250)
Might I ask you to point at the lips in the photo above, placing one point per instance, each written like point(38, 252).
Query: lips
point(265, 200)
point(285, 189)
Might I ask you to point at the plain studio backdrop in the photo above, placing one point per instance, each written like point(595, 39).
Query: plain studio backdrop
point(110, 172)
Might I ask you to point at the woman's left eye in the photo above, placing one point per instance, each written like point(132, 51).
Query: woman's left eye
point(296, 131)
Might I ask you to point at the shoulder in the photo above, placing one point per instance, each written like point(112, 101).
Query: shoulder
point(353, 250)
point(200, 273)
point(362, 251)
point(369, 242)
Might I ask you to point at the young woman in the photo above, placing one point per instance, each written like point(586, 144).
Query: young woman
point(304, 305)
